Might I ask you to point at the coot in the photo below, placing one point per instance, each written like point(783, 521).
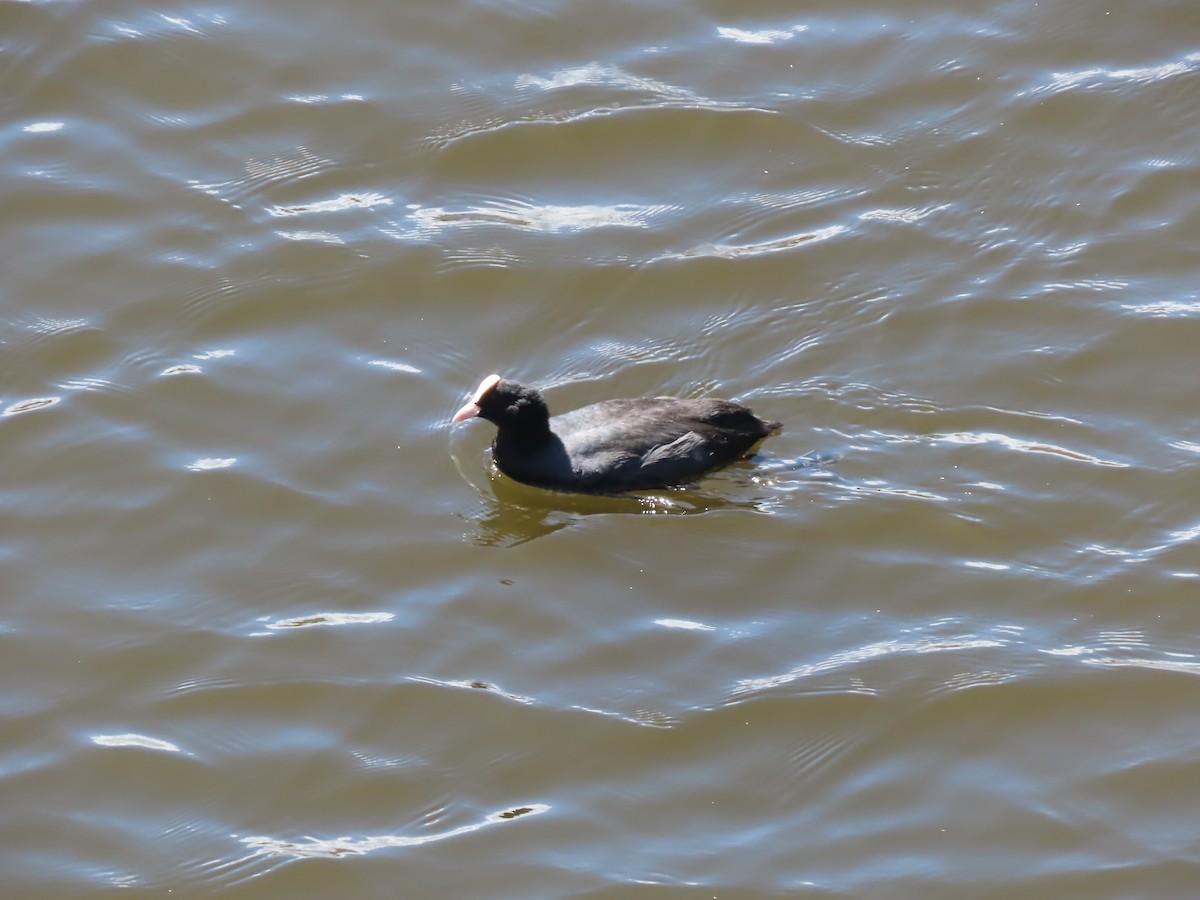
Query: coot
point(614, 445)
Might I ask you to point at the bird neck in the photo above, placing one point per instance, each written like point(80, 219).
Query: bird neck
point(531, 428)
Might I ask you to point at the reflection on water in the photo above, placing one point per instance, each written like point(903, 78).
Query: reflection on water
point(512, 513)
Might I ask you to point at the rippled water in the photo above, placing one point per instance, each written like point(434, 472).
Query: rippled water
point(271, 628)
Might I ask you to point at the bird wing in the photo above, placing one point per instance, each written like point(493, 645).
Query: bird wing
point(685, 446)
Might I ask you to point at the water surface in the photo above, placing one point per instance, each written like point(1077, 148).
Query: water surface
point(272, 628)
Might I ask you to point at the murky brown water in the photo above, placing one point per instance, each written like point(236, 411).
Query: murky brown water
point(270, 628)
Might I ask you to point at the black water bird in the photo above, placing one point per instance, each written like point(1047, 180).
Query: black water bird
point(614, 445)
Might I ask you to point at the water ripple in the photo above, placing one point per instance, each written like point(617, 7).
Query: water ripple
point(349, 846)
point(24, 406)
point(759, 248)
point(631, 93)
point(430, 221)
point(1165, 309)
point(761, 36)
point(264, 173)
point(134, 740)
point(1097, 78)
point(856, 656)
point(365, 200)
point(331, 618)
point(1025, 446)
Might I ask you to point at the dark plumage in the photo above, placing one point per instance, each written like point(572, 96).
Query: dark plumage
point(614, 445)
